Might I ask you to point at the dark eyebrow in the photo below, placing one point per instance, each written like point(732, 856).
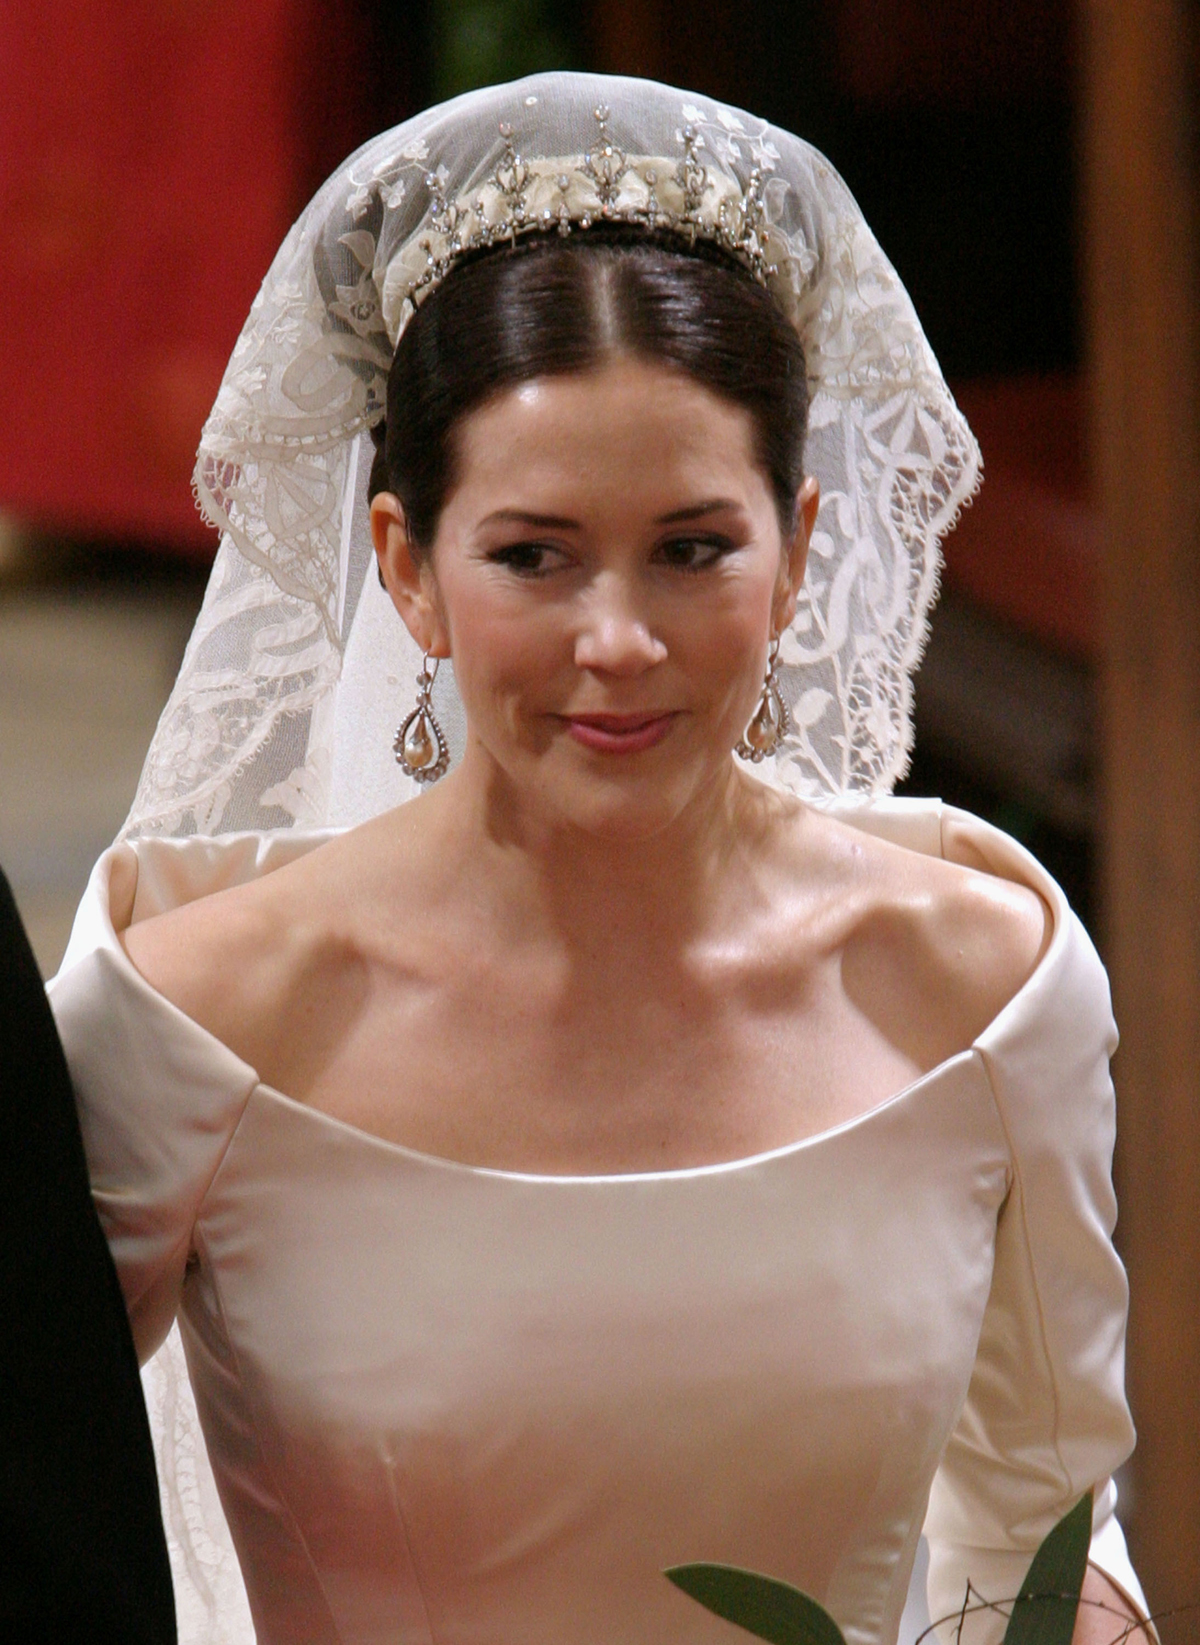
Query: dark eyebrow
point(561, 522)
point(714, 506)
point(518, 516)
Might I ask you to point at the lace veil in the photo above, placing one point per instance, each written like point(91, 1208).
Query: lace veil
point(284, 706)
point(299, 670)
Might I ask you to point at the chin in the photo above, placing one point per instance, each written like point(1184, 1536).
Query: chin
point(619, 800)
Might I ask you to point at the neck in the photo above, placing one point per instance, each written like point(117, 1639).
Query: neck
point(592, 890)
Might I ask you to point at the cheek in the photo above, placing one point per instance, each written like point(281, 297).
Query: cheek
point(727, 637)
point(504, 657)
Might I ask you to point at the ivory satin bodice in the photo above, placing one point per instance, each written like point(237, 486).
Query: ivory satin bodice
point(448, 1405)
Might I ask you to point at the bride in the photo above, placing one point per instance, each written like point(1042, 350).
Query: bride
point(606, 1159)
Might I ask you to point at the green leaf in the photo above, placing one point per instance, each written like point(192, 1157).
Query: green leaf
point(762, 1606)
point(1046, 1607)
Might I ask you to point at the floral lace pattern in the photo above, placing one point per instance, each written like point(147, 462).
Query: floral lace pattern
point(244, 740)
point(211, 1607)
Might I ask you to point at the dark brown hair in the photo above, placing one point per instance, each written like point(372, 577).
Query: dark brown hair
point(550, 306)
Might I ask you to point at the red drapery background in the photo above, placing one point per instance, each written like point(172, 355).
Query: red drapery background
point(154, 155)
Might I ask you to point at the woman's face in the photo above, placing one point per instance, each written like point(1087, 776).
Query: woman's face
point(607, 574)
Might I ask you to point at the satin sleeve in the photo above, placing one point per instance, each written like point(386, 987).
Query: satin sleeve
point(159, 1099)
point(1045, 1417)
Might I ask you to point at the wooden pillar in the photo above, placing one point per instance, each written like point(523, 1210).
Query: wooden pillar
point(1144, 329)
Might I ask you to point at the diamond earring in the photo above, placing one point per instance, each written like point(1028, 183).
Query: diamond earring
point(420, 745)
point(771, 718)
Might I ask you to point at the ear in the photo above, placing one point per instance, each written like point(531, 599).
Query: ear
point(408, 577)
point(808, 503)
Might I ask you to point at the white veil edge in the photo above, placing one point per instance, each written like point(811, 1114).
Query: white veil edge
point(211, 1606)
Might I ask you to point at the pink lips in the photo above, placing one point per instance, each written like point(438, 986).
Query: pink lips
point(619, 733)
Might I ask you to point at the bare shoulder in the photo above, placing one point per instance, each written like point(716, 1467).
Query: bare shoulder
point(244, 961)
point(193, 953)
point(981, 930)
point(932, 950)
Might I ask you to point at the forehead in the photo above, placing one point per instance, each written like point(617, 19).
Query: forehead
point(631, 427)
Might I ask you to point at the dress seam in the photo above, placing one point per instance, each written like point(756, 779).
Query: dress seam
point(186, 1243)
point(402, 1520)
point(201, 1247)
point(1017, 1183)
point(219, 1161)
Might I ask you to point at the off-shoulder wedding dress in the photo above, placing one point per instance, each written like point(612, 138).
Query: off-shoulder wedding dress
point(457, 1406)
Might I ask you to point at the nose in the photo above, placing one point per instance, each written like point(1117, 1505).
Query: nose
point(614, 637)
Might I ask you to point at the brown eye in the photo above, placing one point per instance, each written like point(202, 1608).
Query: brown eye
point(694, 553)
point(525, 559)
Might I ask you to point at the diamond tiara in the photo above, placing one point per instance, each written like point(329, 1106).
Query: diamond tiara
point(603, 186)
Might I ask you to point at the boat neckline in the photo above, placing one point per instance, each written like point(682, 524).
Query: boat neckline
point(1038, 880)
point(418, 1157)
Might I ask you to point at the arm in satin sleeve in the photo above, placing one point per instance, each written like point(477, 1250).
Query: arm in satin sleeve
point(158, 1101)
point(1045, 1417)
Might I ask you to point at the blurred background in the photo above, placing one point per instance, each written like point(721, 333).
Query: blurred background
point(1029, 167)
